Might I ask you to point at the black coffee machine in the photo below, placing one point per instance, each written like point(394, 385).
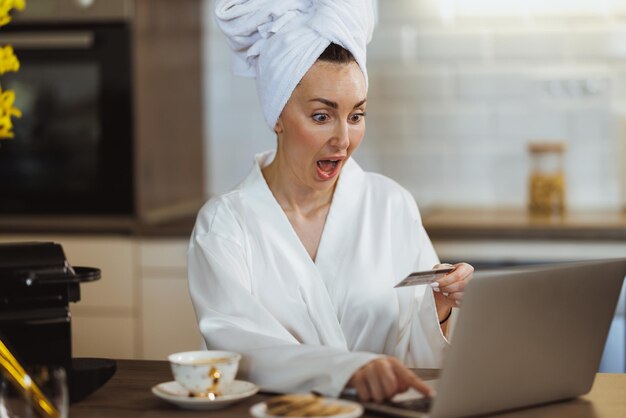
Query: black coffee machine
point(36, 286)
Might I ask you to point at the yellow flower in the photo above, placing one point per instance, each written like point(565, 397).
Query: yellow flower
point(7, 98)
point(8, 60)
point(5, 8)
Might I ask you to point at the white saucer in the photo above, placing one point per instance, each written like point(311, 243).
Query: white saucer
point(173, 392)
point(259, 410)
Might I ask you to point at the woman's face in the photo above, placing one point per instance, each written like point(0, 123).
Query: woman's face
point(322, 123)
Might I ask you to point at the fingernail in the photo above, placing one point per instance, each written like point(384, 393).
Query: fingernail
point(446, 293)
point(436, 289)
point(434, 284)
point(458, 303)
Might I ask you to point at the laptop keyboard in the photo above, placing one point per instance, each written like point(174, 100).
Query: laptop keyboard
point(419, 405)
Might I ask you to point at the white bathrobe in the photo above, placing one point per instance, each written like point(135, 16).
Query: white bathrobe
point(305, 325)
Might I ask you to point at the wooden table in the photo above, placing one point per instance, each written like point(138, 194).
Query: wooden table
point(128, 394)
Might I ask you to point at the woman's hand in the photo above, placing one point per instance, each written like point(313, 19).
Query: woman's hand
point(383, 378)
point(449, 292)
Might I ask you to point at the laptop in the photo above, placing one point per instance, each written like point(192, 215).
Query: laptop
point(524, 336)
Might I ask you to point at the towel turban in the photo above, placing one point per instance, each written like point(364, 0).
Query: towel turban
point(277, 41)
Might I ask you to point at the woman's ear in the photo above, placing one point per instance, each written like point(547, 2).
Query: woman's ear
point(278, 128)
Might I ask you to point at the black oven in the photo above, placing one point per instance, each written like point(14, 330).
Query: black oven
point(73, 149)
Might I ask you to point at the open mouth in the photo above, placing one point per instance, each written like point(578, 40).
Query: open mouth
point(327, 169)
point(328, 166)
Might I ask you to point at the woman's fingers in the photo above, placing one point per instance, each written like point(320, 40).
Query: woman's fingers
point(454, 283)
point(389, 382)
point(460, 273)
point(361, 389)
point(410, 379)
point(374, 382)
point(383, 378)
point(454, 287)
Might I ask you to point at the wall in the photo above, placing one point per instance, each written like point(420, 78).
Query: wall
point(455, 95)
point(234, 127)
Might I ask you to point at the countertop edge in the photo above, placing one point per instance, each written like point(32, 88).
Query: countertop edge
point(587, 234)
point(96, 225)
point(481, 224)
point(516, 223)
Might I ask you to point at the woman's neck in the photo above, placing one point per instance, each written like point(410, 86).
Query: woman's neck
point(292, 195)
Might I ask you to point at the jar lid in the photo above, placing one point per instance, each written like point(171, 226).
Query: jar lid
point(547, 146)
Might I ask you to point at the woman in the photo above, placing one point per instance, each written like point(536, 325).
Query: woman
point(295, 267)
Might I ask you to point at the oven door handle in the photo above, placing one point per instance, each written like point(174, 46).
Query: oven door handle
point(48, 40)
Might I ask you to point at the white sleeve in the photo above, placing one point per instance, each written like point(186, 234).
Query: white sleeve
point(231, 318)
point(427, 259)
point(422, 342)
point(427, 256)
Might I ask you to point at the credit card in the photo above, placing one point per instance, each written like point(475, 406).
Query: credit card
point(423, 277)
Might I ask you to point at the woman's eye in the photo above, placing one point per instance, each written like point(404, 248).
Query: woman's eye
point(356, 117)
point(320, 117)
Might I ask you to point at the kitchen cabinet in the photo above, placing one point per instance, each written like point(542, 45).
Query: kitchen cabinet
point(167, 316)
point(168, 118)
point(140, 308)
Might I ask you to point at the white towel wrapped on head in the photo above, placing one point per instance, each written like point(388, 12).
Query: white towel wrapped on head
point(277, 41)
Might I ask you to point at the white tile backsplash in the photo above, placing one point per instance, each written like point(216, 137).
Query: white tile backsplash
point(529, 44)
point(408, 10)
point(410, 84)
point(591, 178)
point(597, 44)
point(490, 83)
point(590, 125)
point(386, 127)
point(453, 103)
point(444, 45)
point(560, 8)
point(450, 122)
point(544, 123)
point(393, 44)
point(618, 84)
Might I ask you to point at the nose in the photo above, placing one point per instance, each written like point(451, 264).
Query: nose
point(341, 136)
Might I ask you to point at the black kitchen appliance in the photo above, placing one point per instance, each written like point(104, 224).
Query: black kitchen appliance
point(73, 148)
point(36, 286)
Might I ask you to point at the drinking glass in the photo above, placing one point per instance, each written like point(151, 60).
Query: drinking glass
point(52, 382)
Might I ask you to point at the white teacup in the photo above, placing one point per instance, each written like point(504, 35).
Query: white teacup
point(205, 373)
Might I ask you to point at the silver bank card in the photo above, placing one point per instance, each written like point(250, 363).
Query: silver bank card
point(423, 277)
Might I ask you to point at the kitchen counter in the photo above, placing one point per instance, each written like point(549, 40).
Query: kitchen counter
point(441, 223)
point(97, 225)
point(473, 223)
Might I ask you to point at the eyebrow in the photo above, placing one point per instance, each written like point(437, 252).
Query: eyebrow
point(334, 105)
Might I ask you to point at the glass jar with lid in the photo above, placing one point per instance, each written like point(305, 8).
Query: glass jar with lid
point(547, 178)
